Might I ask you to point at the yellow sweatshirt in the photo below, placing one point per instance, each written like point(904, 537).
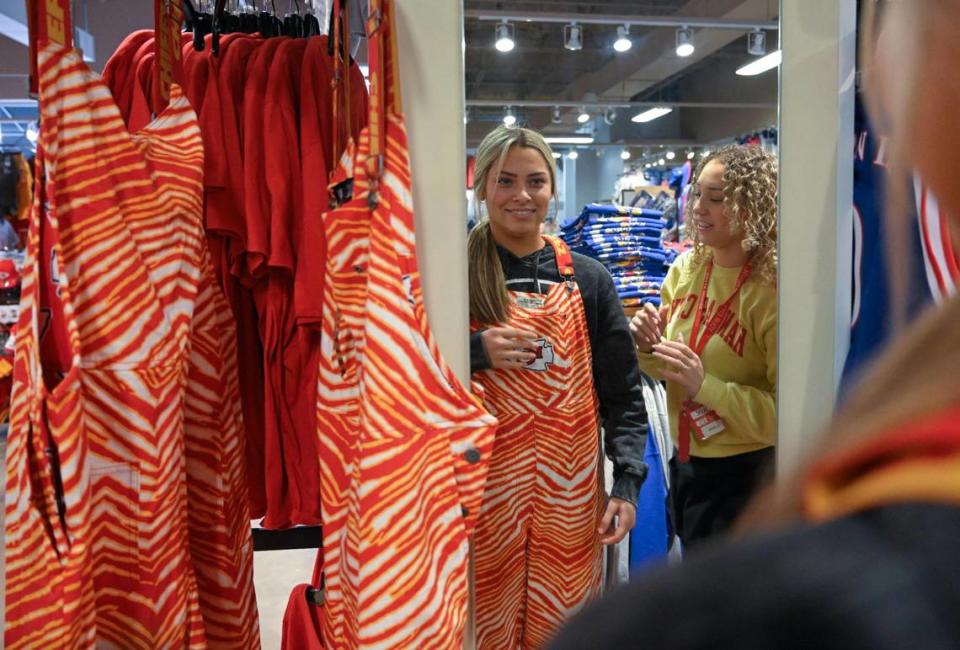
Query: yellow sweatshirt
point(739, 362)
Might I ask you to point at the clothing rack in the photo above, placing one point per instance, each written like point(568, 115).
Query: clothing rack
point(287, 539)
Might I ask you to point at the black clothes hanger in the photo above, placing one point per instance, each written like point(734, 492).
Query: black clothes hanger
point(202, 25)
point(248, 21)
point(268, 23)
point(219, 13)
point(293, 23)
point(311, 24)
point(189, 16)
point(315, 596)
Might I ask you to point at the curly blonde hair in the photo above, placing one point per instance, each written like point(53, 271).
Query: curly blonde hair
point(750, 199)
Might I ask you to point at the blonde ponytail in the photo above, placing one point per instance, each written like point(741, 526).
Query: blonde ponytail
point(489, 301)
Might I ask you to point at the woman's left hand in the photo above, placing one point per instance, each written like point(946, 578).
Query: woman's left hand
point(683, 366)
point(617, 521)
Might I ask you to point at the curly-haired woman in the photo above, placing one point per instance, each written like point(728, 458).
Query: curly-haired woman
point(714, 340)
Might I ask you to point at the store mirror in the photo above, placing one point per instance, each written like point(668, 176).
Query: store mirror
point(662, 122)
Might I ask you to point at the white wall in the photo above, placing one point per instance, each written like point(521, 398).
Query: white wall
point(816, 197)
point(431, 79)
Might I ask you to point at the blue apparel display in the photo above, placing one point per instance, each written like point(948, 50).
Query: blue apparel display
point(872, 310)
point(628, 241)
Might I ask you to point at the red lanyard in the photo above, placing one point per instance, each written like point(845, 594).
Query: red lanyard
point(719, 320)
point(721, 316)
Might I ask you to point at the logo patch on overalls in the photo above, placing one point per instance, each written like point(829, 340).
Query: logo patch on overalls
point(545, 356)
point(530, 302)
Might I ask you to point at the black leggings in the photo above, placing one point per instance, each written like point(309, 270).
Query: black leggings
point(708, 494)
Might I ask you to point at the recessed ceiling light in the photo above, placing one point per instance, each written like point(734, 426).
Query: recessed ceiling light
point(569, 139)
point(651, 114)
point(762, 64)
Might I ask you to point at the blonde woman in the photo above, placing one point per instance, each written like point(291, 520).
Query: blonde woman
point(857, 550)
point(551, 349)
point(714, 341)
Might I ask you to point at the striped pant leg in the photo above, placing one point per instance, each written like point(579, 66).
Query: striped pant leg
point(500, 540)
point(564, 556)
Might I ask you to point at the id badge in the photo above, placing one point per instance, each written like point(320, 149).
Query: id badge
point(704, 422)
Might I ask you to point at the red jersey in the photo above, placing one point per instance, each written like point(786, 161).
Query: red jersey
point(256, 199)
point(120, 70)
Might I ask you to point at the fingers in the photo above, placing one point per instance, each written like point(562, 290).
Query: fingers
point(672, 353)
point(626, 517)
point(517, 333)
point(510, 359)
point(606, 521)
point(645, 326)
point(671, 375)
point(678, 346)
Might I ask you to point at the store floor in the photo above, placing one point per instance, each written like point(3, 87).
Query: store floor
point(275, 574)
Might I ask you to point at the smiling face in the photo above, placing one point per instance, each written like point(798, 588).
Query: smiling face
point(711, 218)
point(518, 197)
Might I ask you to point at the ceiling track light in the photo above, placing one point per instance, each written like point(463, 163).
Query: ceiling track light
point(557, 119)
point(504, 37)
point(509, 118)
point(670, 155)
point(573, 37)
point(690, 155)
point(625, 155)
point(685, 45)
point(573, 155)
point(623, 42)
point(757, 42)
point(584, 116)
point(610, 116)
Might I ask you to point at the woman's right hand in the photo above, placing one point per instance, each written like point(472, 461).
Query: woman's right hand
point(647, 326)
point(509, 348)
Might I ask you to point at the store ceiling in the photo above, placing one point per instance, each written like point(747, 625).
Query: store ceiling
point(541, 69)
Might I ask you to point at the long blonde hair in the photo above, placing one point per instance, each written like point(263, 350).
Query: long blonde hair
point(489, 301)
point(750, 198)
point(918, 375)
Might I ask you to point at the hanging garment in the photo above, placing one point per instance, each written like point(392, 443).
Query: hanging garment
point(105, 456)
point(119, 72)
point(345, 232)
point(403, 476)
point(290, 355)
point(537, 550)
point(100, 496)
point(651, 537)
point(218, 520)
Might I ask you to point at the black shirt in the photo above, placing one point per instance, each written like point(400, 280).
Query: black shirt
point(616, 375)
point(883, 579)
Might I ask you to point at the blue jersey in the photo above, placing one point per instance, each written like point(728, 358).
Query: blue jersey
point(928, 254)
